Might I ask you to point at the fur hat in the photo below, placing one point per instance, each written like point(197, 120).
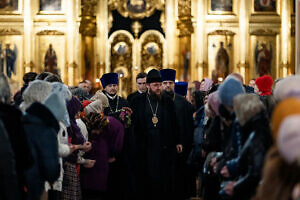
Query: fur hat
point(229, 89)
point(168, 74)
point(36, 91)
point(109, 78)
point(287, 87)
point(247, 106)
point(153, 76)
point(214, 102)
point(289, 139)
point(264, 85)
point(102, 97)
point(181, 88)
point(4, 90)
point(285, 108)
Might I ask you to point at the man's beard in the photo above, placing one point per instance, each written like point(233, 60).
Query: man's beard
point(154, 95)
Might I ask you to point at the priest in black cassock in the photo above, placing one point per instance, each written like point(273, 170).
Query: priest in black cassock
point(156, 140)
point(140, 85)
point(184, 113)
point(119, 184)
point(110, 83)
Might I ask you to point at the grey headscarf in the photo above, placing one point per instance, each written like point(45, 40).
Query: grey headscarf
point(4, 90)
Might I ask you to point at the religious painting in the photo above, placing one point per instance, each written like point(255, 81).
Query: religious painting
point(221, 6)
point(265, 6)
point(51, 51)
point(263, 56)
point(10, 6)
point(11, 51)
point(220, 54)
point(136, 6)
point(50, 5)
point(8, 57)
point(50, 60)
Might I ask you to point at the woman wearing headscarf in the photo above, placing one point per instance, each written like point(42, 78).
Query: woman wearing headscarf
point(41, 126)
point(106, 135)
point(71, 185)
point(206, 84)
point(12, 121)
point(64, 149)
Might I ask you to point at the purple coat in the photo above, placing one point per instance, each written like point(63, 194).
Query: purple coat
point(110, 140)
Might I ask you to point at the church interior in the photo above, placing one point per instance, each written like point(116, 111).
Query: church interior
point(83, 39)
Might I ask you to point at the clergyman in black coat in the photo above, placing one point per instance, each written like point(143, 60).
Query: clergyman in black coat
point(156, 139)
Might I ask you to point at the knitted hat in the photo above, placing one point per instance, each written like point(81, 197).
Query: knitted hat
point(168, 74)
point(289, 139)
point(57, 106)
point(214, 102)
point(181, 88)
point(285, 108)
point(153, 76)
point(36, 91)
point(109, 78)
point(101, 96)
point(287, 87)
point(229, 89)
point(264, 84)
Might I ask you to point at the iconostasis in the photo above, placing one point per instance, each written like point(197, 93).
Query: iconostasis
point(84, 39)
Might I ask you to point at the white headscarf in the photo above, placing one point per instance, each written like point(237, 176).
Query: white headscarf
point(37, 91)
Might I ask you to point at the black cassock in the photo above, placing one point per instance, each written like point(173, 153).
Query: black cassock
point(155, 147)
point(184, 179)
point(120, 180)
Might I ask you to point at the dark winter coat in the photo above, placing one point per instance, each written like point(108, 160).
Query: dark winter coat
point(256, 134)
point(169, 138)
point(41, 128)
point(9, 187)
point(110, 140)
point(12, 120)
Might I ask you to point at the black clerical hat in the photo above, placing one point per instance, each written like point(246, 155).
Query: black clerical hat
point(153, 76)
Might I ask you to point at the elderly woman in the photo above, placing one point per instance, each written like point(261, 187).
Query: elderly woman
point(256, 137)
point(106, 135)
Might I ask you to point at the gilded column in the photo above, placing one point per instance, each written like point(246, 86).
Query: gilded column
point(69, 71)
point(102, 35)
point(297, 48)
point(243, 38)
point(185, 26)
point(28, 39)
point(285, 36)
point(88, 29)
point(198, 42)
point(170, 32)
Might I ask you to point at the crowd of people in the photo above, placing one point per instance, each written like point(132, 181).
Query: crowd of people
point(211, 140)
